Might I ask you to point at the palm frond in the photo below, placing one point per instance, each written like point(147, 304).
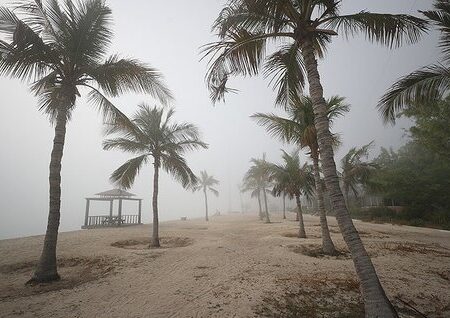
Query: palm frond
point(391, 30)
point(441, 18)
point(126, 173)
point(242, 53)
point(216, 193)
point(286, 69)
point(111, 114)
point(125, 145)
point(284, 129)
point(425, 85)
point(337, 107)
point(119, 75)
point(177, 167)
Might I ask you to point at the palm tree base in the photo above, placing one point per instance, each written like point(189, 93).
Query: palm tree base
point(330, 252)
point(154, 244)
point(302, 235)
point(43, 278)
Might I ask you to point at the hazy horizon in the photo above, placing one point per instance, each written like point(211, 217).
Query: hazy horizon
point(168, 37)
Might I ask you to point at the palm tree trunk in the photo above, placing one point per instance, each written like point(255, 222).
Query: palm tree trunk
point(206, 205)
point(46, 270)
point(155, 233)
point(301, 231)
point(327, 244)
point(375, 300)
point(346, 191)
point(284, 206)
point(265, 206)
point(260, 208)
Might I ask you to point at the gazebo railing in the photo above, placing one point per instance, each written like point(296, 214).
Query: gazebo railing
point(106, 220)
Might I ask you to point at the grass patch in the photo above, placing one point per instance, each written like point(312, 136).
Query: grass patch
point(144, 243)
point(408, 248)
point(314, 297)
point(313, 250)
point(74, 271)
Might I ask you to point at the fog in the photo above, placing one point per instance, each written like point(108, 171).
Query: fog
point(168, 35)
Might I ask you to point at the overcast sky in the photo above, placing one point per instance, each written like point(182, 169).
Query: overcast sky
point(167, 35)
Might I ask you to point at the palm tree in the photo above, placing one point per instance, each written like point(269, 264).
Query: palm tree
point(153, 135)
point(60, 50)
point(427, 84)
point(295, 180)
point(303, 29)
point(253, 185)
point(258, 177)
point(206, 182)
point(299, 128)
point(355, 171)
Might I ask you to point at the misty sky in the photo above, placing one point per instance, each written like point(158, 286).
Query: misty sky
point(168, 35)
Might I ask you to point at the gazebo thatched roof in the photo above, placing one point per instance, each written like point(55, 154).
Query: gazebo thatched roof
point(116, 193)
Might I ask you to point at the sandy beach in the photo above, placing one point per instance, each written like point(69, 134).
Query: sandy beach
point(232, 266)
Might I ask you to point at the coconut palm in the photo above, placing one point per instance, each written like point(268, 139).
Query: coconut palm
point(356, 171)
point(303, 29)
point(258, 177)
point(206, 182)
point(428, 84)
point(60, 49)
point(299, 128)
point(294, 180)
point(153, 136)
point(255, 187)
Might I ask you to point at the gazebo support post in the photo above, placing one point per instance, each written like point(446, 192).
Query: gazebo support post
point(86, 215)
point(111, 208)
point(139, 211)
point(120, 212)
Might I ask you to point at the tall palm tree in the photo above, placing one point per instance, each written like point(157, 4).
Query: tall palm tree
point(299, 128)
point(303, 29)
point(60, 49)
point(153, 135)
point(295, 180)
point(429, 83)
point(206, 182)
point(258, 174)
point(356, 171)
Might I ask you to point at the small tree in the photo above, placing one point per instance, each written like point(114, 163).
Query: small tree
point(206, 182)
point(153, 135)
point(255, 187)
point(295, 180)
point(258, 177)
point(356, 171)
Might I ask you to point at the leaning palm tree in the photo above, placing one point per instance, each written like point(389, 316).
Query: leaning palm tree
point(295, 180)
point(258, 174)
point(303, 29)
point(206, 182)
point(428, 84)
point(298, 128)
point(60, 49)
point(153, 136)
point(356, 171)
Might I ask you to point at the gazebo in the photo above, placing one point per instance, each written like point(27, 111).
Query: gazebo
point(91, 221)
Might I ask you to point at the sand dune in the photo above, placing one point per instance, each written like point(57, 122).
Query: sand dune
point(233, 266)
